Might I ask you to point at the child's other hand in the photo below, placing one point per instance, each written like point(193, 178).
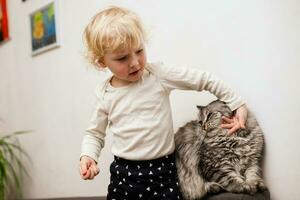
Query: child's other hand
point(88, 168)
point(237, 121)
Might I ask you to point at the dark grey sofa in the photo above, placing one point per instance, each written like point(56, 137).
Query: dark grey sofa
point(232, 196)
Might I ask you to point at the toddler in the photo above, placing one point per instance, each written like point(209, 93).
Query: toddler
point(133, 103)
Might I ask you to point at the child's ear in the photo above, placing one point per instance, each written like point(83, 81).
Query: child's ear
point(100, 63)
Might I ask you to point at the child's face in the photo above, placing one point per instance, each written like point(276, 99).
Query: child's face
point(127, 66)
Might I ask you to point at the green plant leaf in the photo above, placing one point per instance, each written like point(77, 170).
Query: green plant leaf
point(11, 166)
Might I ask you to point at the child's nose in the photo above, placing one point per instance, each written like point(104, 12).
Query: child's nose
point(134, 61)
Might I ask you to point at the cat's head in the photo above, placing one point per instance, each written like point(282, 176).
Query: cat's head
point(210, 116)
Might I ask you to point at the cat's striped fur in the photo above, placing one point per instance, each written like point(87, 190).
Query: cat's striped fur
point(209, 160)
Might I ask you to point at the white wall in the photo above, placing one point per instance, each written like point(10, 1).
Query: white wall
point(252, 45)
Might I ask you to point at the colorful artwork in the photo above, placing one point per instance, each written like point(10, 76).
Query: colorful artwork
point(3, 21)
point(44, 29)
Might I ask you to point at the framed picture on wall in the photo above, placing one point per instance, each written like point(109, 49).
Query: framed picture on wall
point(44, 28)
point(3, 22)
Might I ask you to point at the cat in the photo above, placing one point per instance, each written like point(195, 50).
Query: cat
point(210, 161)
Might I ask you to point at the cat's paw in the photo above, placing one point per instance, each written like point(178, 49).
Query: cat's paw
point(249, 188)
point(212, 187)
point(261, 186)
point(236, 189)
point(254, 186)
point(237, 186)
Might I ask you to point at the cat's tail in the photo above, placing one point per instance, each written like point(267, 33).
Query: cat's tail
point(191, 183)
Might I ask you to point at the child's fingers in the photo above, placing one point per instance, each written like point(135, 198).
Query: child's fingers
point(83, 175)
point(87, 175)
point(95, 169)
point(227, 120)
point(81, 172)
point(92, 174)
point(227, 126)
point(83, 169)
point(233, 129)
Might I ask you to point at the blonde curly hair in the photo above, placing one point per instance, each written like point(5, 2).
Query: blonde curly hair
point(112, 29)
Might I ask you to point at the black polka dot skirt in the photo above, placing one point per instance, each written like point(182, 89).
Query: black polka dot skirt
point(152, 179)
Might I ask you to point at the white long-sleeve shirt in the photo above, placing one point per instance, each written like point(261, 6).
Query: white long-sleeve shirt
point(139, 114)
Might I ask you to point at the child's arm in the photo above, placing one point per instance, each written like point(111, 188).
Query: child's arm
point(195, 79)
point(93, 142)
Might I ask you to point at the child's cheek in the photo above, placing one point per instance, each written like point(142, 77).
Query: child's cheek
point(124, 71)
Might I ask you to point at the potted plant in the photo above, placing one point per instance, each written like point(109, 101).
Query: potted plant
point(11, 166)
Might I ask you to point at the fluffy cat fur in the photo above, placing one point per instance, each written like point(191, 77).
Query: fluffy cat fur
point(209, 160)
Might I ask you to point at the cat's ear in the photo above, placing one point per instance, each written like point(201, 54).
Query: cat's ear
point(200, 107)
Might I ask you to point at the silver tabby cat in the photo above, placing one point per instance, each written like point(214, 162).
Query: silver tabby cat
point(209, 160)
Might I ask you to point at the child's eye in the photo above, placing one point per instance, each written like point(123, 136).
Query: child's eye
point(139, 51)
point(122, 58)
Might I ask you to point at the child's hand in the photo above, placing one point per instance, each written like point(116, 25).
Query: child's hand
point(88, 168)
point(237, 121)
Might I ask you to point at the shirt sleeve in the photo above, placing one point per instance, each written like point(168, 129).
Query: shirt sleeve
point(93, 140)
point(195, 79)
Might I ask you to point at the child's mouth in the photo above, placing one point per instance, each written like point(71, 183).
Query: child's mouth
point(134, 73)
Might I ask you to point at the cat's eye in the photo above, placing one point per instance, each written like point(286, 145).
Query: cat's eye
point(200, 122)
point(209, 115)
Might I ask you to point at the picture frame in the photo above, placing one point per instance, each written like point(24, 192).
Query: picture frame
point(4, 33)
point(44, 28)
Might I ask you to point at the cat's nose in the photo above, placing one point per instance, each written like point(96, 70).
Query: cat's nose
point(204, 127)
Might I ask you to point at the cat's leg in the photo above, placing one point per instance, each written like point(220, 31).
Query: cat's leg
point(233, 182)
point(254, 179)
point(191, 183)
point(231, 179)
